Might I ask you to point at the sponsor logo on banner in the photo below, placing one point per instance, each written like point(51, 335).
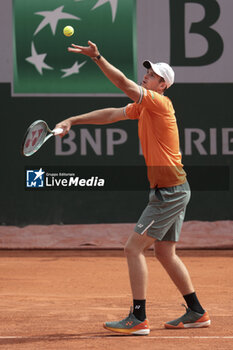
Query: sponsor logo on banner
point(42, 64)
point(193, 36)
point(109, 142)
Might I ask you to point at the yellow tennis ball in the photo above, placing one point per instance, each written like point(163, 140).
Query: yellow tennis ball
point(68, 31)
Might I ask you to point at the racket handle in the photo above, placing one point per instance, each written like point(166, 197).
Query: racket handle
point(57, 131)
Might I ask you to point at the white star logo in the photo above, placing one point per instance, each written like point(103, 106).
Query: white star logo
point(72, 70)
point(38, 60)
point(38, 174)
point(113, 4)
point(52, 17)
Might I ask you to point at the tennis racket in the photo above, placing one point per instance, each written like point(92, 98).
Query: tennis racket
point(37, 134)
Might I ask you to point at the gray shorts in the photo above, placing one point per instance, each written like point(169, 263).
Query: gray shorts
point(164, 215)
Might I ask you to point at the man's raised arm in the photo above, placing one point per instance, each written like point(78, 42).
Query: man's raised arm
point(129, 87)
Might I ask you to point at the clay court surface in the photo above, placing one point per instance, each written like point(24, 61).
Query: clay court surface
point(59, 299)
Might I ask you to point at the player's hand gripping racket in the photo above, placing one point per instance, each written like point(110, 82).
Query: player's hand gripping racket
point(37, 134)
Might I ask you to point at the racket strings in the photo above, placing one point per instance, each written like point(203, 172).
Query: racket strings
point(34, 138)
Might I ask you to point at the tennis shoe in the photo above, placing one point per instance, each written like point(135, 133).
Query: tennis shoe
point(190, 319)
point(129, 326)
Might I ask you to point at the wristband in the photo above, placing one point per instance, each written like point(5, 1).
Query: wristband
point(96, 58)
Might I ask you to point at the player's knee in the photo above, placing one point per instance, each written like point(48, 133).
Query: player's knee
point(164, 253)
point(128, 250)
point(131, 250)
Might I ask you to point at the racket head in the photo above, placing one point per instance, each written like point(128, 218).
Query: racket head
point(34, 137)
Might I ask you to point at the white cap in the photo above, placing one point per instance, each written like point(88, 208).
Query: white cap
point(163, 70)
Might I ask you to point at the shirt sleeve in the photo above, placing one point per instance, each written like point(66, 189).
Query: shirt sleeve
point(155, 102)
point(132, 111)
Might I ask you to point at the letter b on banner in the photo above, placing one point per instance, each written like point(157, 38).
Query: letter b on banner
point(203, 28)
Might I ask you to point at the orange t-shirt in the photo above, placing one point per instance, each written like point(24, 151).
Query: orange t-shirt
point(158, 133)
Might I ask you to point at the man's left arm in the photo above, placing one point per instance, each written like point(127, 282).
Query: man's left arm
point(129, 87)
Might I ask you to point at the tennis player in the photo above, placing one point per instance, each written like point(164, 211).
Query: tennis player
point(161, 221)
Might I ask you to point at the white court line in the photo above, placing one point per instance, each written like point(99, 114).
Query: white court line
point(11, 337)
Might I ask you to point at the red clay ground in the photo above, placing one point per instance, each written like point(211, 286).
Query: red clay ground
point(59, 300)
